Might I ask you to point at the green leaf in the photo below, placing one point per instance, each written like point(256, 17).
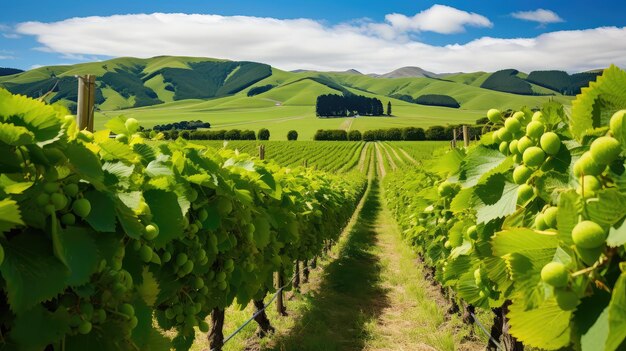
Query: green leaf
point(85, 163)
point(117, 125)
point(595, 338)
point(551, 184)
point(129, 220)
point(524, 241)
point(15, 135)
point(80, 253)
point(480, 161)
point(596, 104)
point(102, 216)
point(617, 236)
point(30, 263)
point(609, 208)
point(570, 206)
point(617, 315)
point(145, 152)
point(10, 186)
point(159, 167)
point(114, 150)
point(166, 214)
point(42, 120)
point(37, 328)
point(149, 288)
point(546, 327)
point(10, 216)
point(505, 206)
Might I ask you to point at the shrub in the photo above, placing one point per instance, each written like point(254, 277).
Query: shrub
point(412, 133)
point(355, 135)
point(292, 135)
point(331, 134)
point(437, 100)
point(264, 134)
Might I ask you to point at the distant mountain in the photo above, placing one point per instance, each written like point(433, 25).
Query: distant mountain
point(409, 72)
point(349, 71)
point(128, 82)
point(9, 71)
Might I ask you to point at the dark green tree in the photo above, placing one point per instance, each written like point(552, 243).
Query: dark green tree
point(264, 134)
point(389, 108)
point(292, 135)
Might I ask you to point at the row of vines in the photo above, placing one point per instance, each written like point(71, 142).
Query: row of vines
point(530, 221)
point(106, 243)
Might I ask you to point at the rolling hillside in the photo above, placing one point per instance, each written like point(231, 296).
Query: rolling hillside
point(166, 89)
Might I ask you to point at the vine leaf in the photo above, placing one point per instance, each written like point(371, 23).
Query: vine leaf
point(617, 315)
point(497, 198)
point(80, 253)
point(481, 163)
point(166, 213)
point(570, 206)
point(85, 163)
point(617, 236)
point(597, 103)
point(37, 328)
point(29, 263)
point(149, 288)
point(609, 208)
point(531, 326)
point(11, 134)
point(103, 219)
point(10, 216)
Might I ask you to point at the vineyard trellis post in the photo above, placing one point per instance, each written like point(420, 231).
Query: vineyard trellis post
point(86, 101)
point(280, 304)
point(466, 137)
point(262, 152)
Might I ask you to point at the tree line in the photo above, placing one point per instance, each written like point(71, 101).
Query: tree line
point(182, 125)
point(333, 105)
point(395, 134)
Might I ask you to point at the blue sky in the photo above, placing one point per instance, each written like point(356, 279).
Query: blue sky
point(331, 27)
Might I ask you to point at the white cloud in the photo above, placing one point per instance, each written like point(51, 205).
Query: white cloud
point(11, 35)
point(440, 19)
point(309, 44)
point(540, 15)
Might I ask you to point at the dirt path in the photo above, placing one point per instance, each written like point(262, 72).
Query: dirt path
point(393, 149)
point(408, 157)
point(347, 124)
point(382, 172)
point(392, 163)
point(363, 156)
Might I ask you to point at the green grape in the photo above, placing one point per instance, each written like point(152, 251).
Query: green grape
point(75, 321)
point(71, 189)
point(494, 115)
point(550, 143)
point(616, 124)
point(146, 253)
point(587, 166)
point(512, 124)
point(519, 115)
point(555, 274)
point(222, 286)
point(229, 265)
point(49, 209)
point(605, 150)
point(521, 174)
point(127, 309)
point(472, 232)
point(590, 184)
point(136, 245)
point(538, 116)
point(86, 308)
point(224, 206)
point(566, 299)
point(181, 259)
point(52, 174)
point(524, 143)
point(203, 326)
point(535, 130)
point(533, 156)
point(133, 322)
point(151, 231)
point(220, 276)
point(58, 200)
point(166, 256)
point(100, 316)
point(68, 219)
point(513, 146)
point(84, 327)
point(81, 207)
point(549, 216)
point(187, 267)
point(51, 188)
point(505, 134)
point(504, 148)
point(43, 199)
point(132, 125)
point(170, 314)
point(540, 222)
point(588, 235)
point(446, 189)
point(203, 215)
point(198, 283)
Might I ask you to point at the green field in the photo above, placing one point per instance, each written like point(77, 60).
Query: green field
point(179, 82)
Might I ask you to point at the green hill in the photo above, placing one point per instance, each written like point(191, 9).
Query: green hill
point(166, 89)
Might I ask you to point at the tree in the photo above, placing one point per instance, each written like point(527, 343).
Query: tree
point(389, 108)
point(354, 135)
point(436, 133)
point(412, 133)
point(292, 135)
point(264, 134)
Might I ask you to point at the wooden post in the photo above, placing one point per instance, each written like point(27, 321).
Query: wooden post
point(216, 335)
point(296, 280)
point(466, 137)
point(86, 100)
point(280, 304)
point(454, 138)
point(262, 152)
point(305, 271)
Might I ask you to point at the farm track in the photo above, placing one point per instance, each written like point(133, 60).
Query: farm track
point(363, 156)
point(381, 165)
point(392, 163)
point(407, 156)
